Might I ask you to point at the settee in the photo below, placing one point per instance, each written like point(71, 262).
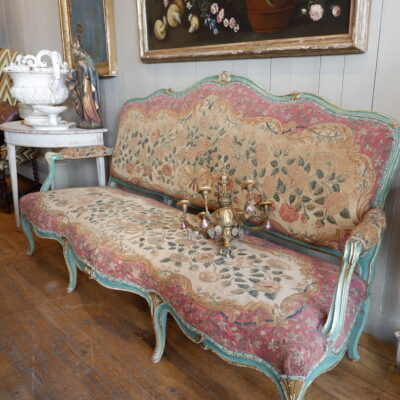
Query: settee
point(274, 305)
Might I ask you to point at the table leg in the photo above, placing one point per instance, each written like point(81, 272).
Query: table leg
point(12, 163)
point(101, 171)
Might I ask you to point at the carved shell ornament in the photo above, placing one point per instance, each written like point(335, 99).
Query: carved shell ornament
point(225, 77)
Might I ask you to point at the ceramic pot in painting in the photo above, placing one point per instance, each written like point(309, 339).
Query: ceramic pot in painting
point(269, 15)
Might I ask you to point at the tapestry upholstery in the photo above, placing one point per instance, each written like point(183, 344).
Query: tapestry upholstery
point(267, 301)
point(7, 56)
point(10, 113)
point(320, 169)
point(69, 153)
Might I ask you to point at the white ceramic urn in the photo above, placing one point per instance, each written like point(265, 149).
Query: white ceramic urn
point(37, 83)
point(34, 82)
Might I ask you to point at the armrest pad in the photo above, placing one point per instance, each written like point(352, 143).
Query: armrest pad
point(69, 153)
point(370, 229)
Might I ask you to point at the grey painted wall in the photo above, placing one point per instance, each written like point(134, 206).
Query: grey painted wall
point(367, 81)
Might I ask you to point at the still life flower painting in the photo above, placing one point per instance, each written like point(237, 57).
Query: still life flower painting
point(179, 30)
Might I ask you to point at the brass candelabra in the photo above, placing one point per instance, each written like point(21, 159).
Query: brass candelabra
point(226, 222)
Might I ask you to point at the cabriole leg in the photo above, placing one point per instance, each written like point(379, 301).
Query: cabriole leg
point(70, 260)
point(352, 351)
point(26, 227)
point(159, 314)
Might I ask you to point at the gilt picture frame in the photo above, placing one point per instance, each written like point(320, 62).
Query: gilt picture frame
point(186, 30)
point(92, 23)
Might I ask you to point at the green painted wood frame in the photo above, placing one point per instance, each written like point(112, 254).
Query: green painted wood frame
point(289, 387)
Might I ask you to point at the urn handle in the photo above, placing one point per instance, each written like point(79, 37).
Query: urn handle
point(56, 60)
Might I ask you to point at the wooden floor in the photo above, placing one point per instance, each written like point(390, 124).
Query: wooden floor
point(97, 343)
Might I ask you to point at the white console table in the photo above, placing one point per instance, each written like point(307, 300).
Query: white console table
point(18, 134)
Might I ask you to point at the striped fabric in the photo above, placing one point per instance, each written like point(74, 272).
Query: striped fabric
point(22, 154)
point(7, 56)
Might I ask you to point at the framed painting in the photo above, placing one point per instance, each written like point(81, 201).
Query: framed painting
point(183, 30)
point(91, 22)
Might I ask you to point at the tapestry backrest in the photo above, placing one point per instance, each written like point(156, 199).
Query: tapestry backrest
point(7, 56)
point(322, 166)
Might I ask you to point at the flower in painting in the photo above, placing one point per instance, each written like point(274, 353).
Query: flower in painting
point(336, 11)
point(221, 15)
point(208, 276)
point(165, 3)
point(166, 170)
point(303, 11)
point(288, 213)
point(232, 23)
point(236, 28)
point(316, 12)
point(226, 22)
point(188, 5)
point(212, 24)
point(214, 8)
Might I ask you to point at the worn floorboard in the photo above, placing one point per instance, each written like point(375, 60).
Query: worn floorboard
point(96, 344)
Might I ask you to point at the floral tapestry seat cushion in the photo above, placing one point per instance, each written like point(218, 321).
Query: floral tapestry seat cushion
point(267, 301)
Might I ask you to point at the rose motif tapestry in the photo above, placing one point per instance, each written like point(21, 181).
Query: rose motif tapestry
point(267, 300)
point(320, 169)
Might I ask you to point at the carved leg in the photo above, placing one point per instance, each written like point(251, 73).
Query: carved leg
point(352, 351)
point(293, 389)
point(159, 314)
point(26, 227)
point(70, 260)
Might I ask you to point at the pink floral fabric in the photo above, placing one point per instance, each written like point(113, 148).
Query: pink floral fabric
point(320, 169)
point(267, 301)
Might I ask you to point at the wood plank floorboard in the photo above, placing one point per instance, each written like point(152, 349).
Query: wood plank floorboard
point(96, 344)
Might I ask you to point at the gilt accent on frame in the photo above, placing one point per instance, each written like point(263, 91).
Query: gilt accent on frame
point(91, 22)
point(184, 30)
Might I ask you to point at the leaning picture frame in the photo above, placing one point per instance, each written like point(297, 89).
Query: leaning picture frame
point(92, 23)
point(185, 30)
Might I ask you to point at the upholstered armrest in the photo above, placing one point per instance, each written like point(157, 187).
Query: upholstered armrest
point(69, 153)
point(363, 237)
point(369, 231)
